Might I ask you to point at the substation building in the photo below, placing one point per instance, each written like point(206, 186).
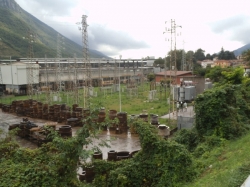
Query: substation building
point(16, 75)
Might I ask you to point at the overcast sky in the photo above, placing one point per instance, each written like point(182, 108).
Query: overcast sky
point(134, 28)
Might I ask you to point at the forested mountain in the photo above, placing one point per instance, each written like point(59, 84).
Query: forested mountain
point(16, 24)
point(240, 50)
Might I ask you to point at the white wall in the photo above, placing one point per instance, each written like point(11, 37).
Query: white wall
point(16, 74)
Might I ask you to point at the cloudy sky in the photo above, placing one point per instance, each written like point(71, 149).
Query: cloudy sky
point(134, 28)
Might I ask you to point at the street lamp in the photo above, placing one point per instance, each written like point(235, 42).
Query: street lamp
point(120, 100)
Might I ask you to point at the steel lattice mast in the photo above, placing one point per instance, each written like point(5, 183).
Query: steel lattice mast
point(47, 83)
point(58, 64)
point(86, 62)
point(75, 82)
point(30, 65)
point(1, 78)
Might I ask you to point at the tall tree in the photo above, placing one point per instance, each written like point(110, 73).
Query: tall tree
point(209, 57)
point(159, 62)
point(199, 54)
point(178, 59)
point(226, 55)
point(246, 56)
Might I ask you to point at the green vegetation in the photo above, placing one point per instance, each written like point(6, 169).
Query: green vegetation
point(213, 153)
point(15, 25)
point(219, 141)
point(246, 56)
point(226, 165)
point(53, 164)
point(132, 104)
point(158, 163)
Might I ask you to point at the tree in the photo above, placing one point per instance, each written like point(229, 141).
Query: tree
point(234, 75)
point(214, 56)
point(215, 74)
point(226, 55)
point(209, 57)
point(151, 77)
point(199, 54)
point(246, 56)
point(178, 54)
point(221, 55)
point(159, 62)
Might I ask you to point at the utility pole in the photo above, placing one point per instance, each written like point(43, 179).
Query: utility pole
point(170, 30)
point(120, 99)
point(175, 60)
point(86, 61)
point(47, 83)
point(1, 77)
point(183, 67)
point(75, 82)
point(58, 65)
point(30, 66)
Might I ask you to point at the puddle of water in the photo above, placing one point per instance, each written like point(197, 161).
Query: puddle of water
point(118, 142)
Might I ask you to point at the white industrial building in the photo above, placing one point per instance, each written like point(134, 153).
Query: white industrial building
point(14, 76)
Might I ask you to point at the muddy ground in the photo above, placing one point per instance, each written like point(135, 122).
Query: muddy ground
point(118, 142)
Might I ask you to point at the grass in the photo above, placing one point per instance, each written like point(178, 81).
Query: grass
point(132, 104)
point(225, 166)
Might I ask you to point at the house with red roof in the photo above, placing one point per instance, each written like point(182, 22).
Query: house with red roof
point(175, 76)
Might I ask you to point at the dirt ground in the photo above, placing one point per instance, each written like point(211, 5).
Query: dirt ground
point(118, 142)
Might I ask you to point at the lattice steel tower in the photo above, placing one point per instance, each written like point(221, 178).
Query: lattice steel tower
point(30, 66)
point(86, 61)
point(183, 68)
point(1, 77)
point(75, 82)
point(47, 83)
point(58, 64)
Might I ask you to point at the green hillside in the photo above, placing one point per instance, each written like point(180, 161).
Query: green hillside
point(17, 23)
point(225, 166)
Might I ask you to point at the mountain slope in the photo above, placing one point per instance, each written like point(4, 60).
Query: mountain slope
point(16, 24)
point(240, 50)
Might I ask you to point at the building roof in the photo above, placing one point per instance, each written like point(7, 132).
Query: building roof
point(172, 73)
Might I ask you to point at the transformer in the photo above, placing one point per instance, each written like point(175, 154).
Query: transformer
point(190, 93)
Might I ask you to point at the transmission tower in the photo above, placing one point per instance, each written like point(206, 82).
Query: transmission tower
point(75, 82)
point(58, 64)
point(47, 83)
point(30, 65)
point(183, 68)
point(70, 81)
point(1, 77)
point(86, 62)
point(100, 74)
point(190, 62)
point(173, 56)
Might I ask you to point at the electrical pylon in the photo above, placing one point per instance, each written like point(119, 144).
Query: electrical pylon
point(75, 82)
point(1, 77)
point(30, 66)
point(86, 62)
point(47, 83)
point(183, 68)
point(58, 64)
